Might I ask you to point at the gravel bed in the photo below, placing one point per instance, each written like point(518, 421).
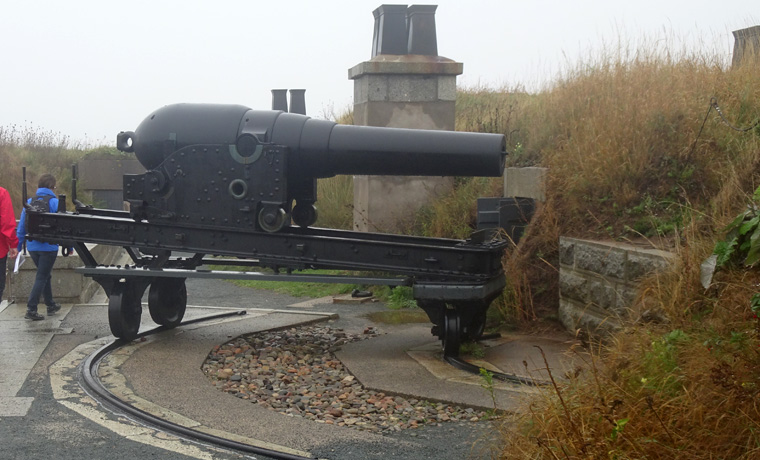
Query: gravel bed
point(295, 372)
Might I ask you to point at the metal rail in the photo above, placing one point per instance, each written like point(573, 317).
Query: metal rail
point(131, 270)
point(463, 365)
point(91, 382)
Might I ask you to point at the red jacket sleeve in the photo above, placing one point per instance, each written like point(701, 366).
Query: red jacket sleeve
point(8, 238)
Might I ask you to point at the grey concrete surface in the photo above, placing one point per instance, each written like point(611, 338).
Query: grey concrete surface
point(164, 372)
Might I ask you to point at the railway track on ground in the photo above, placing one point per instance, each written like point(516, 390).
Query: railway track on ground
point(92, 384)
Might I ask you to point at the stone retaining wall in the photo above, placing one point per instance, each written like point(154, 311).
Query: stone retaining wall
point(68, 285)
point(599, 281)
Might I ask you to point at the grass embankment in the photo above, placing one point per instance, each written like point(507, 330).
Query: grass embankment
point(41, 152)
point(635, 151)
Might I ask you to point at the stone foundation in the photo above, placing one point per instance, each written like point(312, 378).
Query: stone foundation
point(599, 281)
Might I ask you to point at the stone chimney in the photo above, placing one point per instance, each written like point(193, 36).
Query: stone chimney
point(746, 46)
point(405, 84)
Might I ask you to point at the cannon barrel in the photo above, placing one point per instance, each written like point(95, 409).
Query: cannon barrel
point(318, 148)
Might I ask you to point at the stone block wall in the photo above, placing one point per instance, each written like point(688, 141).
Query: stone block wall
point(68, 285)
point(599, 281)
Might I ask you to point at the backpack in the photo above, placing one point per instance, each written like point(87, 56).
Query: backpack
point(40, 203)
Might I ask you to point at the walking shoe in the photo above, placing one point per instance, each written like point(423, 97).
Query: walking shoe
point(34, 316)
point(53, 308)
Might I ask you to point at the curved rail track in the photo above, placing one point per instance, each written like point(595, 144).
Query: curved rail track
point(461, 364)
point(93, 385)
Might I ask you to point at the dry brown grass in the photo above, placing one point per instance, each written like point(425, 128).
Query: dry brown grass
point(684, 388)
point(41, 152)
point(631, 149)
point(630, 157)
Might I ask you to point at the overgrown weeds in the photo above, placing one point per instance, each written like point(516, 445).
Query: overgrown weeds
point(636, 156)
point(685, 387)
point(41, 152)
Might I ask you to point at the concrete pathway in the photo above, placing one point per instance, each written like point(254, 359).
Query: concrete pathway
point(404, 360)
point(22, 342)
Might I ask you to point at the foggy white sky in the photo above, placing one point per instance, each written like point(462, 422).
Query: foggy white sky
point(88, 69)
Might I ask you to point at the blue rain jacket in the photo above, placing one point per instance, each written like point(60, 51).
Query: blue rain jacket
point(21, 230)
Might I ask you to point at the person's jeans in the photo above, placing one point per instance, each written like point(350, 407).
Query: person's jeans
point(44, 261)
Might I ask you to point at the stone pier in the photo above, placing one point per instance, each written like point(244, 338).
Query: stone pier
point(68, 285)
point(404, 85)
point(746, 46)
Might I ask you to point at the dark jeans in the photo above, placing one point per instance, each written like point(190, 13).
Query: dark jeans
point(2, 276)
point(44, 261)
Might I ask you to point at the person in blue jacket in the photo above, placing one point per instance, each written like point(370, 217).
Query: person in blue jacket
point(43, 254)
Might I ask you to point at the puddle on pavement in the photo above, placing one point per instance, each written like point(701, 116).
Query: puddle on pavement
point(399, 316)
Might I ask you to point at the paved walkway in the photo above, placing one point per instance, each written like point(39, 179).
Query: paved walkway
point(22, 342)
point(404, 360)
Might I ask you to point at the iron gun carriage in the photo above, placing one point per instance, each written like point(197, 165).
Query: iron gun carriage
point(227, 181)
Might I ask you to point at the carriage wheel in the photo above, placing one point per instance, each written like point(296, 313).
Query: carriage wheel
point(476, 327)
point(452, 333)
point(167, 301)
point(273, 218)
point(305, 214)
point(124, 310)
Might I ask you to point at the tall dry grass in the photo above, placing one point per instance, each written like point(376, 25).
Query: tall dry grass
point(640, 153)
point(335, 202)
point(684, 386)
point(634, 151)
point(40, 151)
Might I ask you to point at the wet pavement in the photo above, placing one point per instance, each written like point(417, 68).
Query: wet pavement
point(41, 409)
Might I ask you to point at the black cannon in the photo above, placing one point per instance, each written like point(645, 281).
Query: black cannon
point(231, 166)
point(217, 175)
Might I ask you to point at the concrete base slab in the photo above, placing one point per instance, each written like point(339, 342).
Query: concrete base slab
point(432, 360)
point(22, 343)
point(14, 407)
point(162, 375)
point(347, 298)
point(138, 373)
point(312, 302)
point(156, 357)
point(534, 357)
point(409, 362)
